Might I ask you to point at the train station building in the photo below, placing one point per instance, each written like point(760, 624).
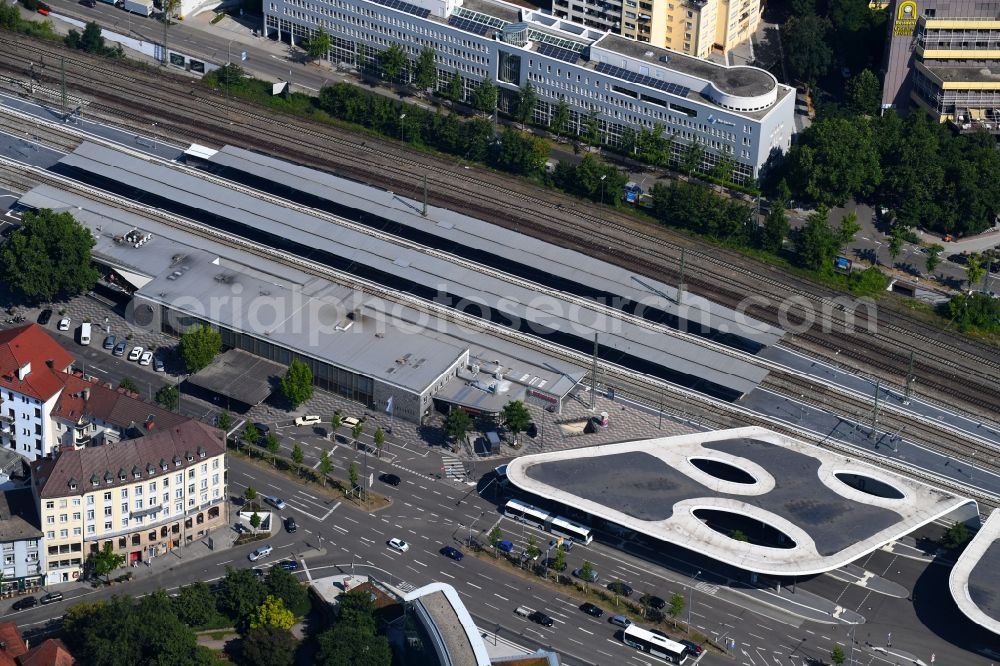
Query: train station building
point(974, 583)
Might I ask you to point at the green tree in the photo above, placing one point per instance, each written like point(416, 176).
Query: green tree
point(426, 73)
point(357, 431)
point(194, 605)
point(255, 521)
point(495, 535)
point(816, 243)
point(975, 271)
point(272, 444)
point(955, 536)
point(230, 75)
point(335, 423)
point(318, 44)
point(456, 89)
point(849, 228)
point(591, 133)
point(808, 55)
point(484, 97)
point(379, 439)
point(527, 99)
point(775, 229)
point(392, 62)
point(128, 384)
point(457, 424)
point(106, 560)
point(835, 159)
point(240, 593)
point(272, 613)
point(976, 310)
point(225, 421)
point(864, 94)
point(297, 457)
point(532, 550)
point(352, 476)
point(250, 434)
point(896, 242)
point(515, 417)
point(325, 464)
point(198, 346)
point(837, 655)
point(347, 644)
point(268, 646)
point(47, 257)
point(676, 606)
point(168, 397)
point(297, 384)
point(90, 40)
point(782, 194)
point(357, 610)
point(691, 160)
point(559, 123)
point(560, 559)
point(738, 535)
point(250, 494)
point(934, 257)
point(285, 586)
point(586, 571)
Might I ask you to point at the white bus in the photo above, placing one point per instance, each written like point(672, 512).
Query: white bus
point(526, 513)
point(654, 644)
point(568, 529)
point(85, 334)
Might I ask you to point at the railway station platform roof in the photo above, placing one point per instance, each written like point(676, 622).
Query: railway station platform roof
point(426, 274)
point(239, 375)
point(804, 510)
point(974, 582)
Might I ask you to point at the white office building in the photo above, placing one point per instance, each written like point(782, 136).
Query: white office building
point(740, 112)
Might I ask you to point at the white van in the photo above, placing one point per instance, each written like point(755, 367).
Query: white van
point(523, 611)
point(84, 334)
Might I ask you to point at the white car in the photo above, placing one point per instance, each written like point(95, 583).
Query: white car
point(135, 353)
point(64, 324)
point(146, 358)
point(307, 420)
point(399, 544)
point(262, 551)
point(276, 502)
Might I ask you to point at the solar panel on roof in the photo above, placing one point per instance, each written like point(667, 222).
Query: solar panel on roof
point(558, 53)
point(404, 7)
point(633, 77)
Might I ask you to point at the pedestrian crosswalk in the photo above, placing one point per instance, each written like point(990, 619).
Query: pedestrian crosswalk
point(453, 468)
point(405, 587)
point(706, 588)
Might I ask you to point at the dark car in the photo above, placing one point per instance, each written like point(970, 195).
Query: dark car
point(505, 546)
point(621, 588)
point(541, 618)
point(453, 553)
point(653, 602)
point(262, 429)
point(119, 349)
point(260, 573)
point(88, 3)
point(51, 598)
point(289, 565)
point(591, 609)
point(44, 316)
point(109, 342)
point(290, 525)
point(691, 647)
point(391, 479)
point(551, 564)
point(27, 602)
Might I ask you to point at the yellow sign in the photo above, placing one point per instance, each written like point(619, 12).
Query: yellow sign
point(906, 18)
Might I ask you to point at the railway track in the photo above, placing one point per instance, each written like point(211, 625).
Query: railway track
point(396, 173)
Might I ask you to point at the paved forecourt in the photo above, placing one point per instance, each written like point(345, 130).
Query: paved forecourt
point(814, 509)
point(974, 582)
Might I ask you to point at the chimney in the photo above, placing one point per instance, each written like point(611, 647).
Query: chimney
point(86, 393)
point(24, 371)
point(51, 363)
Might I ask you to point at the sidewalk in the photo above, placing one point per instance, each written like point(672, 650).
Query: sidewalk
point(808, 606)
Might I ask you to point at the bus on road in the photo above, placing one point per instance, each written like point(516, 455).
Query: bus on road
point(550, 522)
point(654, 645)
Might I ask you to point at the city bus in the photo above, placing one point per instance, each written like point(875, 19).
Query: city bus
point(568, 529)
point(654, 644)
point(525, 513)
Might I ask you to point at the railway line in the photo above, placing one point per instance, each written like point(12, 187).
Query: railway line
point(970, 375)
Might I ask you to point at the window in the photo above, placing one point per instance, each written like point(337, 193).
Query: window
point(191, 473)
point(215, 464)
point(50, 505)
point(50, 535)
point(179, 493)
point(138, 491)
point(91, 529)
point(124, 522)
point(50, 520)
point(107, 511)
point(62, 517)
point(152, 487)
point(63, 534)
point(107, 525)
point(215, 479)
point(90, 514)
point(124, 493)
point(76, 516)
point(77, 531)
point(191, 489)
point(124, 508)
point(107, 497)
point(90, 500)
point(76, 501)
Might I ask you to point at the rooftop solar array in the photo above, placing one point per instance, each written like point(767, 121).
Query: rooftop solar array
point(467, 25)
point(546, 38)
point(479, 17)
point(404, 7)
point(632, 77)
point(558, 53)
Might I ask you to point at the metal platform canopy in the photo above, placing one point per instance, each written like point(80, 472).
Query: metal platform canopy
point(239, 375)
point(804, 510)
point(974, 582)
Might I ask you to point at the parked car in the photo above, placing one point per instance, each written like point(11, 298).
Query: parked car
point(257, 571)
point(349, 421)
point(290, 525)
point(158, 364)
point(398, 544)
point(119, 349)
point(135, 353)
point(276, 502)
point(551, 564)
point(567, 544)
point(621, 588)
point(541, 618)
point(63, 324)
point(505, 546)
point(146, 358)
point(44, 316)
point(591, 609)
point(262, 551)
point(620, 620)
point(289, 565)
point(391, 479)
point(262, 428)
point(653, 602)
point(109, 342)
point(579, 574)
point(51, 598)
point(25, 603)
point(692, 648)
point(453, 553)
point(307, 420)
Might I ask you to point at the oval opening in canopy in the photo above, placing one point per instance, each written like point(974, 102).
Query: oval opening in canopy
point(722, 470)
point(739, 527)
point(869, 486)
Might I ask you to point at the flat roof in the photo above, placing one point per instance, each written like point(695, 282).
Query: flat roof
point(989, 73)
point(239, 375)
point(18, 516)
point(452, 623)
point(654, 488)
point(974, 582)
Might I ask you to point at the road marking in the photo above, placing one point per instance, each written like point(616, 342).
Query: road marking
point(448, 575)
point(473, 585)
point(500, 597)
point(274, 486)
point(575, 641)
point(420, 563)
point(339, 528)
point(585, 631)
point(491, 605)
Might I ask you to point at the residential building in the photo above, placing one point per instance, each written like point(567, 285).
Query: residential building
point(143, 496)
point(735, 113)
point(31, 369)
point(14, 650)
point(21, 542)
point(944, 56)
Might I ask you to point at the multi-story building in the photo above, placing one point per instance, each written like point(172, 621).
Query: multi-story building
point(944, 56)
point(32, 366)
point(737, 113)
point(142, 496)
point(20, 541)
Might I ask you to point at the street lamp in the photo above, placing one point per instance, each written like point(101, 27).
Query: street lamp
point(602, 188)
point(691, 598)
point(402, 117)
